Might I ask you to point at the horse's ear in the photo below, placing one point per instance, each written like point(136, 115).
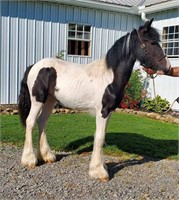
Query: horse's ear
point(146, 26)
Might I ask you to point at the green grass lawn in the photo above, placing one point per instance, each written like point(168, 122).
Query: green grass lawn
point(128, 136)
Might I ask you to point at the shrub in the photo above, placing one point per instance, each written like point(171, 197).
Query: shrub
point(133, 90)
point(156, 105)
point(60, 54)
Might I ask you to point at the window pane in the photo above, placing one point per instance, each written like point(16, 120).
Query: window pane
point(72, 27)
point(71, 47)
point(171, 36)
point(176, 51)
point(79, 35)
point(170, 45)
point(87, 28)
point(87, 36)
point(164, 44)
point(169, 51)
point(71, 34)
point(171, 29)
point(176, 29)
point(164, 37)
point(165, 30)
point(176, 35)
point(176, 44)
point(80, 27)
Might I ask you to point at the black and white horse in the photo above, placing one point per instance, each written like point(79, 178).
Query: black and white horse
point(97, 87)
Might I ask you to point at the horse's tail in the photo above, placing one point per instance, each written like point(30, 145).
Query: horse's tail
point(24, 103)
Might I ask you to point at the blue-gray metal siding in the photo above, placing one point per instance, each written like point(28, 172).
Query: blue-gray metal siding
point(31, 31)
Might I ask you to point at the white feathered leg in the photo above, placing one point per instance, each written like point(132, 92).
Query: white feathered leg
point(97, 168)
point(43, 151)
point(28, 156)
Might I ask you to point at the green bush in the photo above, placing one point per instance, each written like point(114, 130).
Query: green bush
point(156, 105)
point(60, 54)
point(133, 90)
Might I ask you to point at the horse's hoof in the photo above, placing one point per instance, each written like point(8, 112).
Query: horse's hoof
point(29, 160)
point(99, 174)
point(104, 180)
point(29, 165)
point(49, 158)
point(50, 161)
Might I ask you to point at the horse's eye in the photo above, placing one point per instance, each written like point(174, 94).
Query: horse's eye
point(153, 42)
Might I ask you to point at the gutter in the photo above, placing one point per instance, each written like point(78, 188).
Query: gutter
point(158, 7)
point(97, 5)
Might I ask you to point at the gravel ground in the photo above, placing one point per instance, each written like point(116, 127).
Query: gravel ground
point(68, 179)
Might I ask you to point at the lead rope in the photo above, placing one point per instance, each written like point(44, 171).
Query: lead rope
point(177, 100)
point(153, 81)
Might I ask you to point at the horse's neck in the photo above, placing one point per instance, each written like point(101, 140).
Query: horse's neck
point(114, 91)
point(123, 72)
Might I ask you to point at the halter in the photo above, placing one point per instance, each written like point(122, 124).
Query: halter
point(143, 46)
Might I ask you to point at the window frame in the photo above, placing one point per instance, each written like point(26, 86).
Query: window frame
point(170, 40)
point(78, 39)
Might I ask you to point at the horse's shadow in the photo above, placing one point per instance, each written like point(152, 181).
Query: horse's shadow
point(58, 158)
point(150, 149)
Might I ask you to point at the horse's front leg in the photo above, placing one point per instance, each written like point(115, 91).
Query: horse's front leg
point(97, 168)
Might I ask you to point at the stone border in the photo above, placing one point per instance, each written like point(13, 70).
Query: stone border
point(13, 110)
point(157, 116)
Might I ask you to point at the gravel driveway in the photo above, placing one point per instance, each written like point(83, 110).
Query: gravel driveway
point(68, 179)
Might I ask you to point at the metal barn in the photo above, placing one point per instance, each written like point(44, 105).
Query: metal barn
point(83, 29)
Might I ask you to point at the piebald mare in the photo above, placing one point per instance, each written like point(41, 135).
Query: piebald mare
point(97, 87)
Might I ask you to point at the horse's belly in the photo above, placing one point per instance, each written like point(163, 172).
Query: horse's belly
point(74, 101)
point(75, 95)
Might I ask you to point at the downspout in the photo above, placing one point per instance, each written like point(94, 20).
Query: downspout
point(143, 17)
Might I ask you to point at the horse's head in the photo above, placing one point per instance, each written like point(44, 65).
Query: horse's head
point(150, 53)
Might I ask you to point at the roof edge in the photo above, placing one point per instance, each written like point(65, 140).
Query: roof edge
point(158, 7)
point(98, 5)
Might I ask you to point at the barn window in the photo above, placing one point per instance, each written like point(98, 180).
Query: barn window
point(79, 39)
point(170, 41)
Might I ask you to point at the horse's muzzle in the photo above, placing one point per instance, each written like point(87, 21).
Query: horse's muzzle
point(167, 67)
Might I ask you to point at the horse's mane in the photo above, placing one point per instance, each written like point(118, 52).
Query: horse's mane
point(118, 51)
point(152, 34)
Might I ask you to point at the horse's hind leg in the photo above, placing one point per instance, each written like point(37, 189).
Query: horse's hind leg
point(44, 152)
point(28, 156)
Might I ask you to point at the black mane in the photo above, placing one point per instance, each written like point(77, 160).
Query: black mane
point(117, 52)
point(152, 34)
